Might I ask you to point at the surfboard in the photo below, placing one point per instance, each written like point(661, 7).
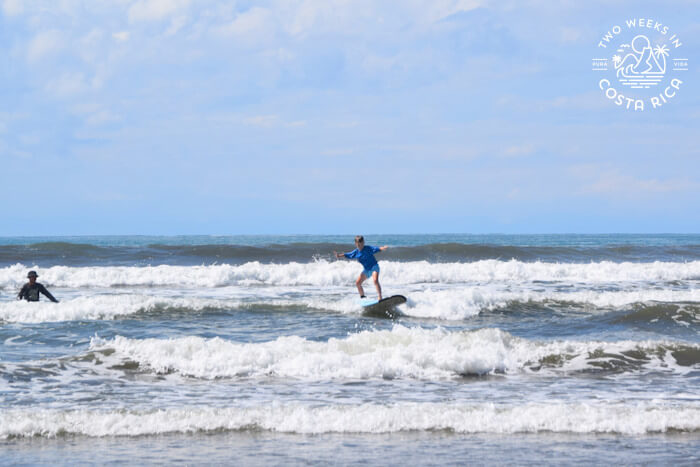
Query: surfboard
point(384, 308)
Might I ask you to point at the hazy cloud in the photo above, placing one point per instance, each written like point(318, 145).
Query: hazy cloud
point(121, 36)
point(155, 10)
point(44, 44)
point(12, 7)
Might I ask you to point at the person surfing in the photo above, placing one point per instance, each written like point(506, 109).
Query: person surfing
point(365, 255)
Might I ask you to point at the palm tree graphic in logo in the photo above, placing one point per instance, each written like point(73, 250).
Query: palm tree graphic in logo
point(641, 66)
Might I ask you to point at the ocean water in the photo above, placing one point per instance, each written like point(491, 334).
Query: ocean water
point(526, 349)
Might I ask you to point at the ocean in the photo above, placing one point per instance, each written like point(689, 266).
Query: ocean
point(253, 350)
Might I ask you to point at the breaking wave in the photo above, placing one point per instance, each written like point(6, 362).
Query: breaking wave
point(323, 273)
point(402, 352)
point(640, 418)
point(457, 303)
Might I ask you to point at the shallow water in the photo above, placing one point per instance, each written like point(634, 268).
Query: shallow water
point(416, 448)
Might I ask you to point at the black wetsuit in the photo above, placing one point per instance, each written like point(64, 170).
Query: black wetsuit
point(31, 292)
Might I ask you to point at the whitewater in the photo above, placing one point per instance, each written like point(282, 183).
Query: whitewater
point(584, 343)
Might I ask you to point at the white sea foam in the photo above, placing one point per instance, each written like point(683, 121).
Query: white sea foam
point(101, 307)
point(464, 302)
point(638, 418)
point(325, 274)
point(456, 302)
point(398, 353)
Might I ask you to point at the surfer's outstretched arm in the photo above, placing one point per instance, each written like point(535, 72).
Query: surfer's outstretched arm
point(352, 254)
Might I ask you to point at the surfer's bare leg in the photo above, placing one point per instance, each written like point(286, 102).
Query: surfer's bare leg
point(375, 278)
point(359, 282)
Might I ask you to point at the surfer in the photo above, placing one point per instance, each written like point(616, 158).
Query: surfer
point(365, 255)
point(30, 291)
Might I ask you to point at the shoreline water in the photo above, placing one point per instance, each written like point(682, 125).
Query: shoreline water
point(435, 448)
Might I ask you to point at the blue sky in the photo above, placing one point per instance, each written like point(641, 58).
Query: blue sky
point(223, 117)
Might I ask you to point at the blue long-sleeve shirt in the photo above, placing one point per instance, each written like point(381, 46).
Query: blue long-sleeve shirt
point(365, 256)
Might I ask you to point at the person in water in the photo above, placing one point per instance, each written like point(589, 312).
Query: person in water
point(30, 291)
point(365, 255)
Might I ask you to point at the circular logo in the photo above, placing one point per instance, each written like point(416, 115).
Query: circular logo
point(641, 64)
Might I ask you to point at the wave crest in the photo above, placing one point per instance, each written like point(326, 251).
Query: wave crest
point(324, 274)
point(402, 352)
point(640, 418)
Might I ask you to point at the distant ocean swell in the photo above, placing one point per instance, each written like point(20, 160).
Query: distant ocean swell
point(554, 417)
point(76, 254)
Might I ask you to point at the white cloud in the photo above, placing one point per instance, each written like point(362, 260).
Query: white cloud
point(121, 36)
point(44, 44)
point(305, 16)
point(175, 25)
point(252, 24)
point(439, 9)
point(155, 10)
point(94, 114)
point(310, 17)
point(12, 7)
point(90, 47)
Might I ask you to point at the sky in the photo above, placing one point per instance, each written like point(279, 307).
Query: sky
point(166, 117)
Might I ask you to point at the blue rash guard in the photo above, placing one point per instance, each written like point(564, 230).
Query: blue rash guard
point(364, 256)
